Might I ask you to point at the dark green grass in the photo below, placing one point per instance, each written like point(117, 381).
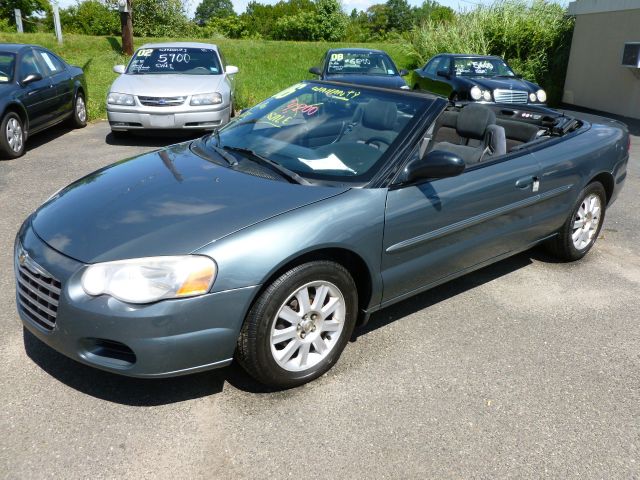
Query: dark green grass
point(266, 67)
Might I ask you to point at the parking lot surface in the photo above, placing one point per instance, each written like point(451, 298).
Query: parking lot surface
point(527, 369)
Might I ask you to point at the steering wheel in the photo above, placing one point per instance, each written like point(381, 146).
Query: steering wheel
point(373, 140)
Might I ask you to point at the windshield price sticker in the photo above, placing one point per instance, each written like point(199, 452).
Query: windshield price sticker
point(291, 111)
point(337, 93)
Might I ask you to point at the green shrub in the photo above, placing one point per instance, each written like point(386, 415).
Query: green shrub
point(90, 17)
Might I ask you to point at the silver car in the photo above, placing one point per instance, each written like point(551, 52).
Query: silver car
point(178, 85)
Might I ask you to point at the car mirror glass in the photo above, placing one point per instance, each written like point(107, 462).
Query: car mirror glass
point(403, 72)
point(434, 164)
point(231, 70)
point(315, 71)
point(119, 69)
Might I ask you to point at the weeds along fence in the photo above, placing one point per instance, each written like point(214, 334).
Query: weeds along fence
point(533, 36)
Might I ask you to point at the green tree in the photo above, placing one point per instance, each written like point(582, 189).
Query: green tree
point(378, 20)
point(90, 17)
point(210, 9)
point(27, 9)
point(159, 18)
point(399, 15)
point(432, 10)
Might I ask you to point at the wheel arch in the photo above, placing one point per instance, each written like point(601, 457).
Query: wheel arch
point(21, 111)
point(354, 263)
point(607, 181)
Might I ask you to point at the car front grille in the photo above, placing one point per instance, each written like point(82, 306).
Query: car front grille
point(510, 96)
point(38, 294)
point(161, 101)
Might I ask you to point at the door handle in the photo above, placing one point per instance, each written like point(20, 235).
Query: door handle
point(527, 182)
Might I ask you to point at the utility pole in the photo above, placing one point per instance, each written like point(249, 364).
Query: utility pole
point(127, 26)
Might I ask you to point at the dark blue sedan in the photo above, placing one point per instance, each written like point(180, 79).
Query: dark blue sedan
point(37, 90)
point(360, 66)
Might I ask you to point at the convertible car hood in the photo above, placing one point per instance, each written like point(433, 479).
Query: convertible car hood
point(372, 80)
point(168, 202)
point(166, 85)
point(502, 82)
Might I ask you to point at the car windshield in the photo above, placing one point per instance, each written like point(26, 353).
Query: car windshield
point(7, 63)
point(362, 63)
point(323, 132)
point(482, 67)
point(185, 61)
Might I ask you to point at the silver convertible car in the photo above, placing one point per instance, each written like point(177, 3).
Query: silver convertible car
point(178, 85)
point(269, 240)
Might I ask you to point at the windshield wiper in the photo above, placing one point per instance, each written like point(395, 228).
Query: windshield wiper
point(285, 172)
point(198, 150)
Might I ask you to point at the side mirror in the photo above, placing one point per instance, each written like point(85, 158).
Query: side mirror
point(517, 75)
point(119, 69)
point(315, 71)
point(443, 73)
point(403, 72)
point(435, 164)
point(32, 77)
point(231, 70)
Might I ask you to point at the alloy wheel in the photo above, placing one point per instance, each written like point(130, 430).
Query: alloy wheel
point(587, 219)
point(308, 326)
point(81, 109)
point(14, 135)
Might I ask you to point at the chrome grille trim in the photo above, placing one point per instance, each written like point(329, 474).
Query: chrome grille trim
point(161, 101)
point(501, 95)
point(38, 293)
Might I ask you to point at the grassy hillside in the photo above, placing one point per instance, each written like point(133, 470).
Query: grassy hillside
point(266, 67)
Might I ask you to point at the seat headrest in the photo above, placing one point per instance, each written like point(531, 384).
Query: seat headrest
point(380, 115)
point(473, 121)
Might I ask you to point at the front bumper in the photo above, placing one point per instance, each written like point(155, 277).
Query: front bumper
point(167, 118)
point(166, 338)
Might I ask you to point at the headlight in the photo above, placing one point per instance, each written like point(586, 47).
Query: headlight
point(115, 98)
point(206, 99)
point(532, 97)
point(476, 93)
point(542, 96)
point(486, 96)
point(145, 280)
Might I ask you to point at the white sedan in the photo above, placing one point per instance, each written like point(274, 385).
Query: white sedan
point(178, 85)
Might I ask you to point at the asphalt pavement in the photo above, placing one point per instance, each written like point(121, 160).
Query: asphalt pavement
point(526, 369)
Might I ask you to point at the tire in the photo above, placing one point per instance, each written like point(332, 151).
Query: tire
point(584, 223)
point(301, 356)
point(79, 115)
point(12, 136)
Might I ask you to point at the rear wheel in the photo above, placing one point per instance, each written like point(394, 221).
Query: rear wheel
point(79, 116)
point(12, 138)
point(298, 327)
point(581, 230)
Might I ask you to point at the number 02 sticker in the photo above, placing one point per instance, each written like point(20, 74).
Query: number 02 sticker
point(144, 52)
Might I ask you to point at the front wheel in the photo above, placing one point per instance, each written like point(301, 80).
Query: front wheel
point(79, 116)
point(580, 231)
point(298, 327)
point(12, 138)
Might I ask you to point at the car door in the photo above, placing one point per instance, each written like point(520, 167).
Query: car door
point(436, 83)
point(443, 227)
point(61, 82)
point(37, 96)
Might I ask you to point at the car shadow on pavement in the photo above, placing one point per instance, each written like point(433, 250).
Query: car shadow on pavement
point(46, 136)
point(153, 392)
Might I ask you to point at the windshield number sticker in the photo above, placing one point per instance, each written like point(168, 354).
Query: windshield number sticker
point(337, 93)
point(144, 52)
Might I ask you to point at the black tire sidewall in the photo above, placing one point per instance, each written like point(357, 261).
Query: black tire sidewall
point(5, 149)
point(572, 253)
point(263, 314)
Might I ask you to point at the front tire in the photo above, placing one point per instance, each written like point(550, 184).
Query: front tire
point(12, 136)
point(299, 326)
point(79, 116)
point(581, 230)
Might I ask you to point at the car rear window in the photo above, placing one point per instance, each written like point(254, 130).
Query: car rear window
point(186, 61)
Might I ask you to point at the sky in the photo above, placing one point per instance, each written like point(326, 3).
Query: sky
point(240, 5)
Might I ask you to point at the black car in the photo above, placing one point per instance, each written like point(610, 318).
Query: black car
point(478, 78)
point(361, 66)
point(37, 90)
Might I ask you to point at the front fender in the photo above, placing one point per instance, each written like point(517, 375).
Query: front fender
point(351, 221)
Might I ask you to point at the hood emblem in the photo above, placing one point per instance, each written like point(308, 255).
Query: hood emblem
point(24, 260)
